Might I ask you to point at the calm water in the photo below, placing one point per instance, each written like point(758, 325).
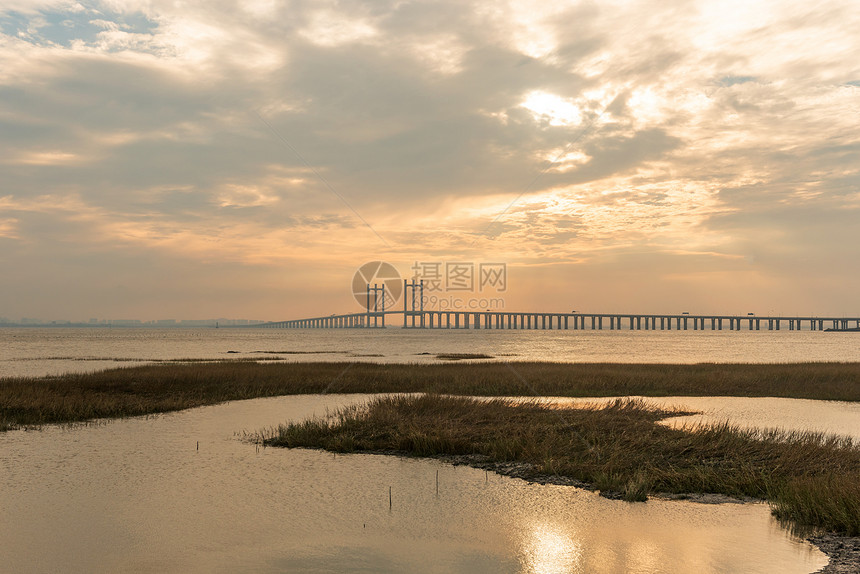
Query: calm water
point(138, 496)
point(54, 351)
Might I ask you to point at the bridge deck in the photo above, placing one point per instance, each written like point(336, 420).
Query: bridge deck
point(571, 321)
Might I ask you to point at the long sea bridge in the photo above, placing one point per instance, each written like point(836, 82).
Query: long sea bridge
point(415, 316)
point(570, 321)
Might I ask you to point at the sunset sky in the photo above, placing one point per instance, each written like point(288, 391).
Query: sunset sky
point(165, 159)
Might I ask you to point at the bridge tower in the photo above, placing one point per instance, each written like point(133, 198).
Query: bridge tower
point(411, 307)
point(376, 302)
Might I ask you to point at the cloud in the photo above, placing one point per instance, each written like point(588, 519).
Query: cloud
point(582, 129)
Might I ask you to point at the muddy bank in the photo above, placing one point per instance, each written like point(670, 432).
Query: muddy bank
point(843, 551)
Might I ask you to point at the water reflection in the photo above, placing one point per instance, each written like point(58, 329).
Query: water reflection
point(643, 556)
point(548, 549)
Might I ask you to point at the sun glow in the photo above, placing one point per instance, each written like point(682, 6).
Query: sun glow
point(558, 111)
point(548, 549)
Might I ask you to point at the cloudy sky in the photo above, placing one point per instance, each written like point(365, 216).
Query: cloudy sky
point(242, 158)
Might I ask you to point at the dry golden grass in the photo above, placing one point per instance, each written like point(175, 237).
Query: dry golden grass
point(148, 389)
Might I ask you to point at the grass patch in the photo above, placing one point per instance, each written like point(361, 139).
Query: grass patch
point(809, 479)
point(146, 389)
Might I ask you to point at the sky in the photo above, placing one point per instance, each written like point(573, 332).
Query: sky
point(170, 159)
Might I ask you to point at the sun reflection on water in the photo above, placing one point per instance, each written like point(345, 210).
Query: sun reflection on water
point(549, 549)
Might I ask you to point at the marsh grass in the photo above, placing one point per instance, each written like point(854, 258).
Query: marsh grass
point(155, 388)
point(462, 356)
point(808, 478)
point(830, 500)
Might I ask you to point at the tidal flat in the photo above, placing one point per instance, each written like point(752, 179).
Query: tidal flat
point(618, 449)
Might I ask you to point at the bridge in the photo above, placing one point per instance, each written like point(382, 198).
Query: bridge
point(416, 317)
point(570, 321)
